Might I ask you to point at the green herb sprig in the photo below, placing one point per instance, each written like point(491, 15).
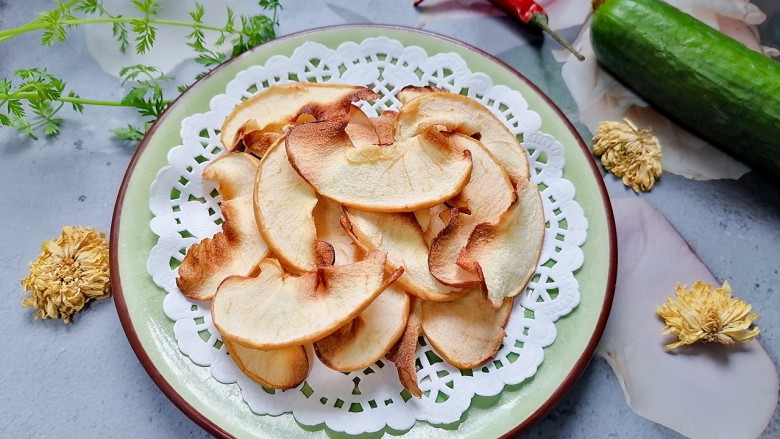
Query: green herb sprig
point(30, 100)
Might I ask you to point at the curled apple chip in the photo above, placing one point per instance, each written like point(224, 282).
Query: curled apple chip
point(384, 125)
point(361, 129)
point(276, 310)
point(327, 219)
point(238, 248)
point(412, 91)
point(283, 206)
point(400, 236)
point(234, 173)
point(463, 115)
point(435, 196)
point(253, 139)
point(404, 353)
point(433, 221)
point(468, 331)
point(420, 172)
point(277, 369)
point(369, 336)
point(487, 177)
point(505, 255)
point(280, 105)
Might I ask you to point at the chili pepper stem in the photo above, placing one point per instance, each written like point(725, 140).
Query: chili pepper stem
point(537, 18)
point(541, 21)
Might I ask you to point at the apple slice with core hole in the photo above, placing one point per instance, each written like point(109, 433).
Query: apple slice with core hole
point(400, 236)
point(238, 248)
point(369, 336)
point(283, 206)
point(467, 332)
point(465, 116)
point(277, 310)
point(277, 369)
point(418, 173)
point(276, 107)
point(505, 255)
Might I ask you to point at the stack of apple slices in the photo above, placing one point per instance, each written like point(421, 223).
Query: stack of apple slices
point(352, 236)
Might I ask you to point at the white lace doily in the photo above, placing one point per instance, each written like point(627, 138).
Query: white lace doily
point(186, 210)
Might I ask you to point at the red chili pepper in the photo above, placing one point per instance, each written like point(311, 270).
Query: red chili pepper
point(529, 12)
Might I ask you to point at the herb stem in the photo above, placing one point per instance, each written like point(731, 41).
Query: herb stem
point(38, 25)
point(30, 95)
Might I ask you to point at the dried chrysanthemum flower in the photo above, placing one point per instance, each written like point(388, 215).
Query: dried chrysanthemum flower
point(71, 271)
point(704, 314)
point(629, 153)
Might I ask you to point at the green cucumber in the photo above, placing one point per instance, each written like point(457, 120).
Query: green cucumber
point(709, 83)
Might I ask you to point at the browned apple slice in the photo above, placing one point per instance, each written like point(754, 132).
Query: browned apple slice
point(283, 206)
point(369, 336)
point(238, 248)
point(327, 218)
point(468, 331)
point(404, 353)
point(230, 172)
point(418, 173)
point(505, 255)
point(276, 310)
point(278, 369)
point(400, 236)
point(280, 105)
point(360, 129)
point(488, 194)
point(384, 125)
point(433, 221)
point(412, 91)
point(465, 116)
point(258, 142)
point(423, 217)
point(253, 139)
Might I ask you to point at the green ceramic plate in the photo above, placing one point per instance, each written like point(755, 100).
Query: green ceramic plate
point(218, 407)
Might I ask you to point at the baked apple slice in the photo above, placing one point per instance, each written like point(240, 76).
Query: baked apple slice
point(468, 331)
point(463, 115)
point(276, 310)
point(283, 207)
point(276, 107)
point(505, 255)
point(420, 172)
point(404, 353)
point(412, 91)
point(277, 369)
point(369, 336)
point(238, 248)
point(400, 236)
point(384, 125)
point(488, 194)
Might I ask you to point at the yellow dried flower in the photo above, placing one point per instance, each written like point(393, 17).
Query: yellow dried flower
point(629, 153)
point(704, 314)
point(71, 271)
